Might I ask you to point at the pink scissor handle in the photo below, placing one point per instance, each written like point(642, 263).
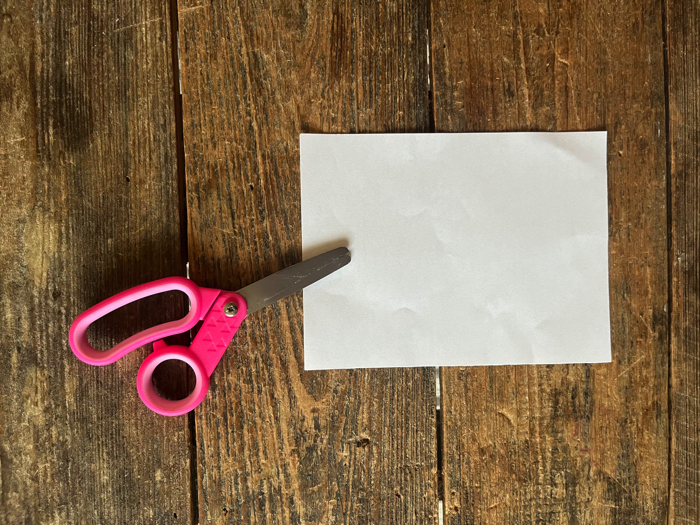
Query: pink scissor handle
point(222, 313)
point(220, 325)
point(200, 302)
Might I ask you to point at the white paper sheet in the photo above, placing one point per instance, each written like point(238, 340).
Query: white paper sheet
point(467, 249)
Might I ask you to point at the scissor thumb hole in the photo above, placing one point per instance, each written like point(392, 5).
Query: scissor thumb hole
point(167, 407)
point(173, 379)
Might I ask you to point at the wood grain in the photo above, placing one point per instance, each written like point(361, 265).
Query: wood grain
point(566, 444)
point(683, 40)
point(276, 444)
point(88, 193)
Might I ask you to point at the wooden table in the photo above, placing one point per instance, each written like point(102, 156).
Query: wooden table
point(110, 178)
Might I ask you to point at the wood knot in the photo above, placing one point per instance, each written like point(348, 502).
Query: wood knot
point(362, 442)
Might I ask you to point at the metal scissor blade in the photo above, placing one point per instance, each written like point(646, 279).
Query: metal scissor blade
point(285, 282)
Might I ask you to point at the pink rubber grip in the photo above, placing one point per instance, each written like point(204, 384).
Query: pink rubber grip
point(202, 356)
point(199, 297)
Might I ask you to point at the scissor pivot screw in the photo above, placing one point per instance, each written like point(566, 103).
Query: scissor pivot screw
point(230, 309)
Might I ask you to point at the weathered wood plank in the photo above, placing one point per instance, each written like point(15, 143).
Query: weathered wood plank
point(89, 200)
point(566, 444)
point(276, 444)
point(683, 40)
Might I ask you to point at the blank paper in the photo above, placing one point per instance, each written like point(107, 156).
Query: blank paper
point(467, 249)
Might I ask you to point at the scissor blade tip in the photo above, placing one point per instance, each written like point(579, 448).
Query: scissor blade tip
point(342, 257)
point(294, 278)
point(332, 256)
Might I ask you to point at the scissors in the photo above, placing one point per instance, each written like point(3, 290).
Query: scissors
point(222, 313)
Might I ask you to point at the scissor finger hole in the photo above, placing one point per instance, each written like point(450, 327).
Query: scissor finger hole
point(173, 379)
point(170, 407)
point(137, 316)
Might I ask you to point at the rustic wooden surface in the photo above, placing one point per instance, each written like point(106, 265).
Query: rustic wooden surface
point(566, 444)
point(92, 202)
point(276, 444)
point(88, 193)
point(684, 171)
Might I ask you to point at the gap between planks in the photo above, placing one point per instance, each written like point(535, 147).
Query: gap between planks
point(182, 210)
point(669, 245)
